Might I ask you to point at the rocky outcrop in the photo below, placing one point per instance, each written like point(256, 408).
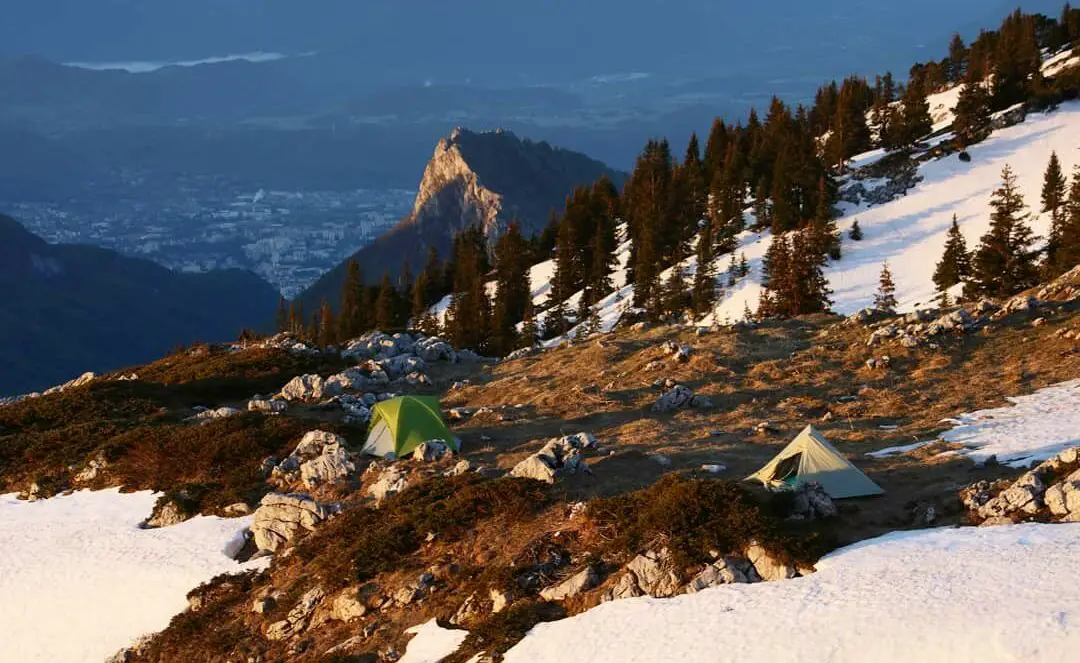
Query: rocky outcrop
point(679, 397)
point(677, 351)
point(559, 457)
point(280, 519)
point(1050, 491)
point(298, 618)
point(767, 565)
point(166, 514)
point(812, 502)
point(391, 479)
point(652, 573)
point(205, 416)
point(725, 571)
point(267, 405)
point(582, 581)
point(304, 388)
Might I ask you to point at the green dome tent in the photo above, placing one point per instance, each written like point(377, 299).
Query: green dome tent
point(810, 457)
point(399, 425)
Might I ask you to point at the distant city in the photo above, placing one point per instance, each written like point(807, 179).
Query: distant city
point(289, 238)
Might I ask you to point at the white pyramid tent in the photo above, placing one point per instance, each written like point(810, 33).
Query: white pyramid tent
point(810, 457)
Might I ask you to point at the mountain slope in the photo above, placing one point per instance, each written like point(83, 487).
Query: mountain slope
point(72, 308)
point(473, 179)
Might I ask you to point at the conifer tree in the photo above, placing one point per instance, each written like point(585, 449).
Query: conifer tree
point(352, 314)
point(512, 288)
point(715, 149)
point(327, 325)
point(955, 264)
point(1067, 254)
point(971, 121)
point(776, 279)
point(733, 272)
point(1004, 264)
point(282, 315)
point(311, 334)
point(744, 266)
point(675, 300)
point(296, 317)
point(823, 232)
point(385, 305)
point(809, 287)
point(915, 121)
point(958, 55)
point(882, 115)
point(469, 316)
point(530, 333)
point(855, 233)
point(1054, 198)
point(885, 298)
point(703, 292)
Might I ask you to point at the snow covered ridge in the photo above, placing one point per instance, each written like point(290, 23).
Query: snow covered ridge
point(128, 581)
point(957, 595)
point(82, 380)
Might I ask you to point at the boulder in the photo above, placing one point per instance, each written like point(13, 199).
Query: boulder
point(297, 619)
point(320, 458)
point(678, 398)
point(304, 388)
point(281, 518)
point(431, 451)
point(267, 405)
point(435, 349)
point(812, 502)
point(500, 600)
point(677, 351)
point(414, 591)
point(559, 456)
point(766, 565)
point(392, 480)
point(535, 467)
point(348, 606)
point(725, 571)
point(655, 573)
point(167, 514)
point(207, 416)
point(581, 581)
point(625, 587)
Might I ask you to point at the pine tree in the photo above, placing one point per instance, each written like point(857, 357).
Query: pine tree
point(744, 266)
point(733, 272)
point(915, 118)
point(855, 233)
point(327, 325)
point(971, 121)
point(823, 232)
point(776, 279)
point(885, 298)
point(675, 300)
point(530, 332)
point(1067, 254)
point(703, 292)
point(1054, 198)
point(883, 115)
point(955, 264)
point(282, 315)
point(385, 305)
point(1004, 264)
point(807, 283)
point(958, 56)
point(512, 288)
point(352, 314)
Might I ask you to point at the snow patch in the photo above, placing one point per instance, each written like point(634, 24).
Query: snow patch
point(978, 595)
point(80, 579)
point(432, 643)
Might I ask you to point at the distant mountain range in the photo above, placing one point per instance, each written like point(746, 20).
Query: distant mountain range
point(474, 179)
point(70, 309)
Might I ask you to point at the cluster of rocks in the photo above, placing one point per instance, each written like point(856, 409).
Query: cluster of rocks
point(204, 415)
point(1051, 491)
point(267, 405)
point(285, 341)
point(559, 457)
point(677, 351)
point(869, 187)
point(499, 413)
point(915, 328)
point(81, 381)
point(320, 459)
point(677, 397)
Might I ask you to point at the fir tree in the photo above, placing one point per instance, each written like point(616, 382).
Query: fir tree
point(1004, 264)
point(776, 279)
point(530, 332)
point(352, 314)
point(282, 315)
point(512, 288)
point(955, 264)
point(885, 298)
point(327, 325)
point(744, 266)
point(1054, 198)
point(733, 272)
point(703, 292)
point(385, 305)
point(823, 232)
point(1067, 254)
point(915, 121)
point(809, 287)
point(971, 121)
point(675, 300)
point(958, 56)
point(855, 233)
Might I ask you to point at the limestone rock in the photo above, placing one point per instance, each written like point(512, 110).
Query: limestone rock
point(580, 582)
point(281, 518)
point(348, 606)
point(767, 566)
point(655, 574)
point(431, 451)
point(812, 502)
point(167, 514)
point(267, 405)
point(392, 480)
point(679, 397)
point(304, 388)
point(726, 571)
point(677, 351)
point(500, 600)
point(297, 619)
point(559, 456)
point(208, 416)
